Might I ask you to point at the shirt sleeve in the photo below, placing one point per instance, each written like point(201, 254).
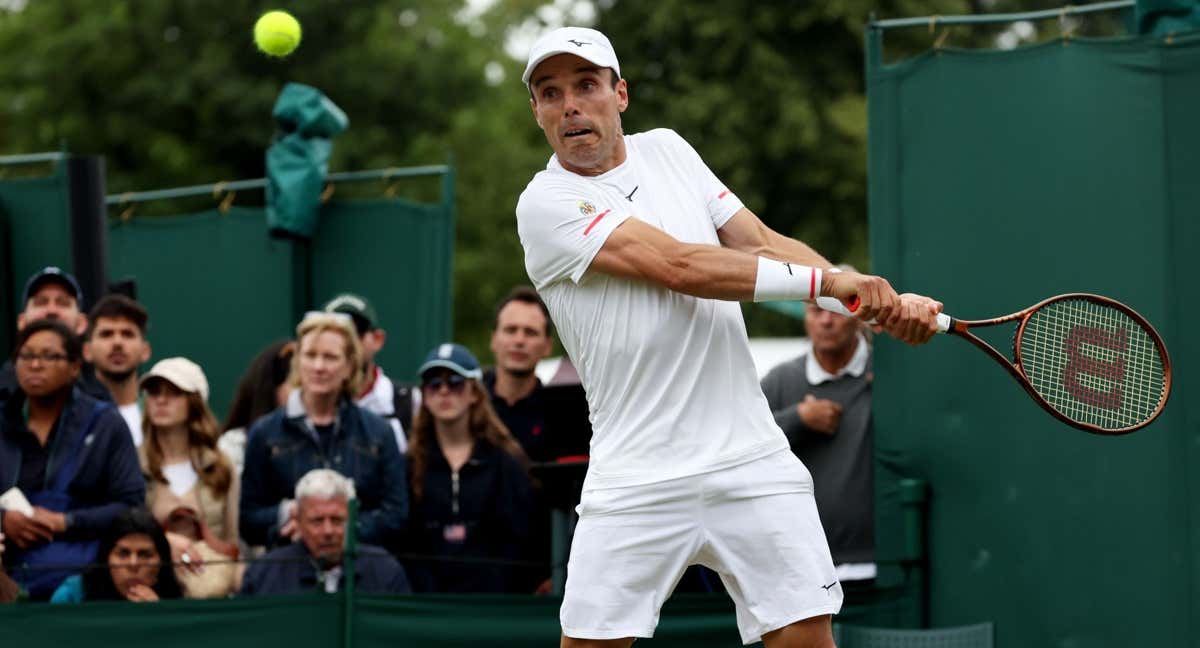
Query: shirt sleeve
point(720, 202)
point(562, 226)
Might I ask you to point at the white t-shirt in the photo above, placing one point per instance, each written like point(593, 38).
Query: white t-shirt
point(180, 477)
point(132, 413)
point(670, 381)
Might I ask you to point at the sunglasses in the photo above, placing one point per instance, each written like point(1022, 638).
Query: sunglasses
point(454, 382)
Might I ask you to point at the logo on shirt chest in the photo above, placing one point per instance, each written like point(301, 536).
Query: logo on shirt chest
point(586, 208)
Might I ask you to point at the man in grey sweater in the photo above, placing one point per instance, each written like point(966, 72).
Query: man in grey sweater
point(822, 401)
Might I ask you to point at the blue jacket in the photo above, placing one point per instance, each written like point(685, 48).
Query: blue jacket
point(291, 569)
point(107, 480)
point(281, 448)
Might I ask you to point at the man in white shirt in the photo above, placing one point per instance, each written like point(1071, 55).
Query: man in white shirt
point(116, 345)
point(379, 394)
point(641, 254)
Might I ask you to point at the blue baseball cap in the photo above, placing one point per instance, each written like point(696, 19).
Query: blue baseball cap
point(454, 357)
point(52, 274)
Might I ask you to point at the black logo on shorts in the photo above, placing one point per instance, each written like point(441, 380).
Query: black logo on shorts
point(630, 196)
point(578, 43)
point(829, 586)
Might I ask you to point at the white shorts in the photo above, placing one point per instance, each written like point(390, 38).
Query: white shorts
point(755, 524)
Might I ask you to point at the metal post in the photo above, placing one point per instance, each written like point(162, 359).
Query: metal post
point(559, 533)
point(89, 225)
point(349, 552)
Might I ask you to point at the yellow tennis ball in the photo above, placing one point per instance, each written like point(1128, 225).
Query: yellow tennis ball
point(277, 33)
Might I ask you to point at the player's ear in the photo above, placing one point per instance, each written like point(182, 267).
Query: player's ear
point(622, 95)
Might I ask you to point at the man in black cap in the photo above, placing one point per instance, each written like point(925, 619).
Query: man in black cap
point(52, 293)
point(379, 394)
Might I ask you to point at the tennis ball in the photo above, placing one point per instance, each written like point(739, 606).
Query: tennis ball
point(277, 33)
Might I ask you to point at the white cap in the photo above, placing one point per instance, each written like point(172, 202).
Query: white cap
point(186, 375)
point(582, 42)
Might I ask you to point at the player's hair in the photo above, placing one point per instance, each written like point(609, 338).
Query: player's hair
point(202, 433)
point(72, 345)
point(482, 423)
point(117, 306)
point(525, 295)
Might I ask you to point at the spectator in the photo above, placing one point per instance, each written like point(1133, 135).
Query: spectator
point(9, 590)
point(191, 487)
point(116, 346)
point(139, 565)
point(468, 480)
point(822, 401)
point(44, 428)
point(521, 339)
point(319, 427)
point(53, 294)
point(315, 563)
point(261, 390)
point(378, 394)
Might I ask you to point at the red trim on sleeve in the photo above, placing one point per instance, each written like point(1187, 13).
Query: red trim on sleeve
point(595, 220)
point(722, 194)
point(812, 283)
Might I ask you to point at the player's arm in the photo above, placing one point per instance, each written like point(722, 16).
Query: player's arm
point(746, 232)
point(638, 250)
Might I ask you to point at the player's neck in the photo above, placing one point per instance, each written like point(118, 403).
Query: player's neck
point(605, 164)
point(835, 360)
point(513, 387)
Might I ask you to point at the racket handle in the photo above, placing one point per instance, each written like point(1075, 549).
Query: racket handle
point(944, 321)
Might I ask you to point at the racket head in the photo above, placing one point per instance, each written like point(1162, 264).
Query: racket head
point(1093, 362)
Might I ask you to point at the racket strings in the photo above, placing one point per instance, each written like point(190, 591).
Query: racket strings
point(1093, 363)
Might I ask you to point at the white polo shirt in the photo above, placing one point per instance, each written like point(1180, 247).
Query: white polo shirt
point(670, 381)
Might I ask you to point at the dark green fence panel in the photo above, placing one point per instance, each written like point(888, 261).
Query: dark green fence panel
point(216, 287)
point(398, 255)
point(997, 179)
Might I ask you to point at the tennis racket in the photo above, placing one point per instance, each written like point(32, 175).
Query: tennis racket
point(1091, 361)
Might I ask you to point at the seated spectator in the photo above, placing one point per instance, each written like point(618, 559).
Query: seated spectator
point(72, 495)
point(55, 295)
point(378, 394)
point(138, 565)
point(320, 426)
point(521, 339)
point(315, 563)
point(191, 487)
point(116, 346)
point(261, 390)
point(470, 489)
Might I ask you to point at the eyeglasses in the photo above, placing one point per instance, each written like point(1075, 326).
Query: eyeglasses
point(454, 382)
point(28, 357)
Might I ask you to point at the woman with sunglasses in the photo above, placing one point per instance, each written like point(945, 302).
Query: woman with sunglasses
point(136, 565)
point(321, 427)
point(468, 482)
point(70, 456)
point(191, 486)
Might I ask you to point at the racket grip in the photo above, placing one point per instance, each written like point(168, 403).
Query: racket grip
point(833, 304)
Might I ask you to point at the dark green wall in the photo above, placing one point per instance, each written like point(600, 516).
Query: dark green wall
point(998, 179)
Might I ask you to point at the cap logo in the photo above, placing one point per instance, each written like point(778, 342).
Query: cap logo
point(578, 43)
point(586, 208)
point(445, 350)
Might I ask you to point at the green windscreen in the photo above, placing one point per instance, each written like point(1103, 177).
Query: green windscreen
point(997, 179)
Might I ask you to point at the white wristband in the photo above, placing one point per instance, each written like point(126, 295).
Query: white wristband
point(780, 280)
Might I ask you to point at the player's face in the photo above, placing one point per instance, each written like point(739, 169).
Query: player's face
point(324, 366)
point(322, 525)
point(116, 347)
point(830, 332)
point(52, 301)
point(579, 110)
point(520, 339)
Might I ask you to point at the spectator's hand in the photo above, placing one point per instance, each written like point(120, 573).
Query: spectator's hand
point(544, 588)
point(139, 593)
point(55, 521)
point(291, 528)
point(820, 414)
point(876, 298)
point(915, 321)
point(24, 530)
point(184, 554)
point(1, 548)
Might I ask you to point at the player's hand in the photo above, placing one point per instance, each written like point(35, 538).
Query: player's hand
point(876, 298)
point(140, 593)
point(820, 414)
point(24, 530)
point(915, 321)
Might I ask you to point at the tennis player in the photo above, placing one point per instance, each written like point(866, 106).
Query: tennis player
point(641, 255)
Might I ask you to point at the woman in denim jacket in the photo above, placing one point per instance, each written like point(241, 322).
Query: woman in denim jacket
point(321, 427)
